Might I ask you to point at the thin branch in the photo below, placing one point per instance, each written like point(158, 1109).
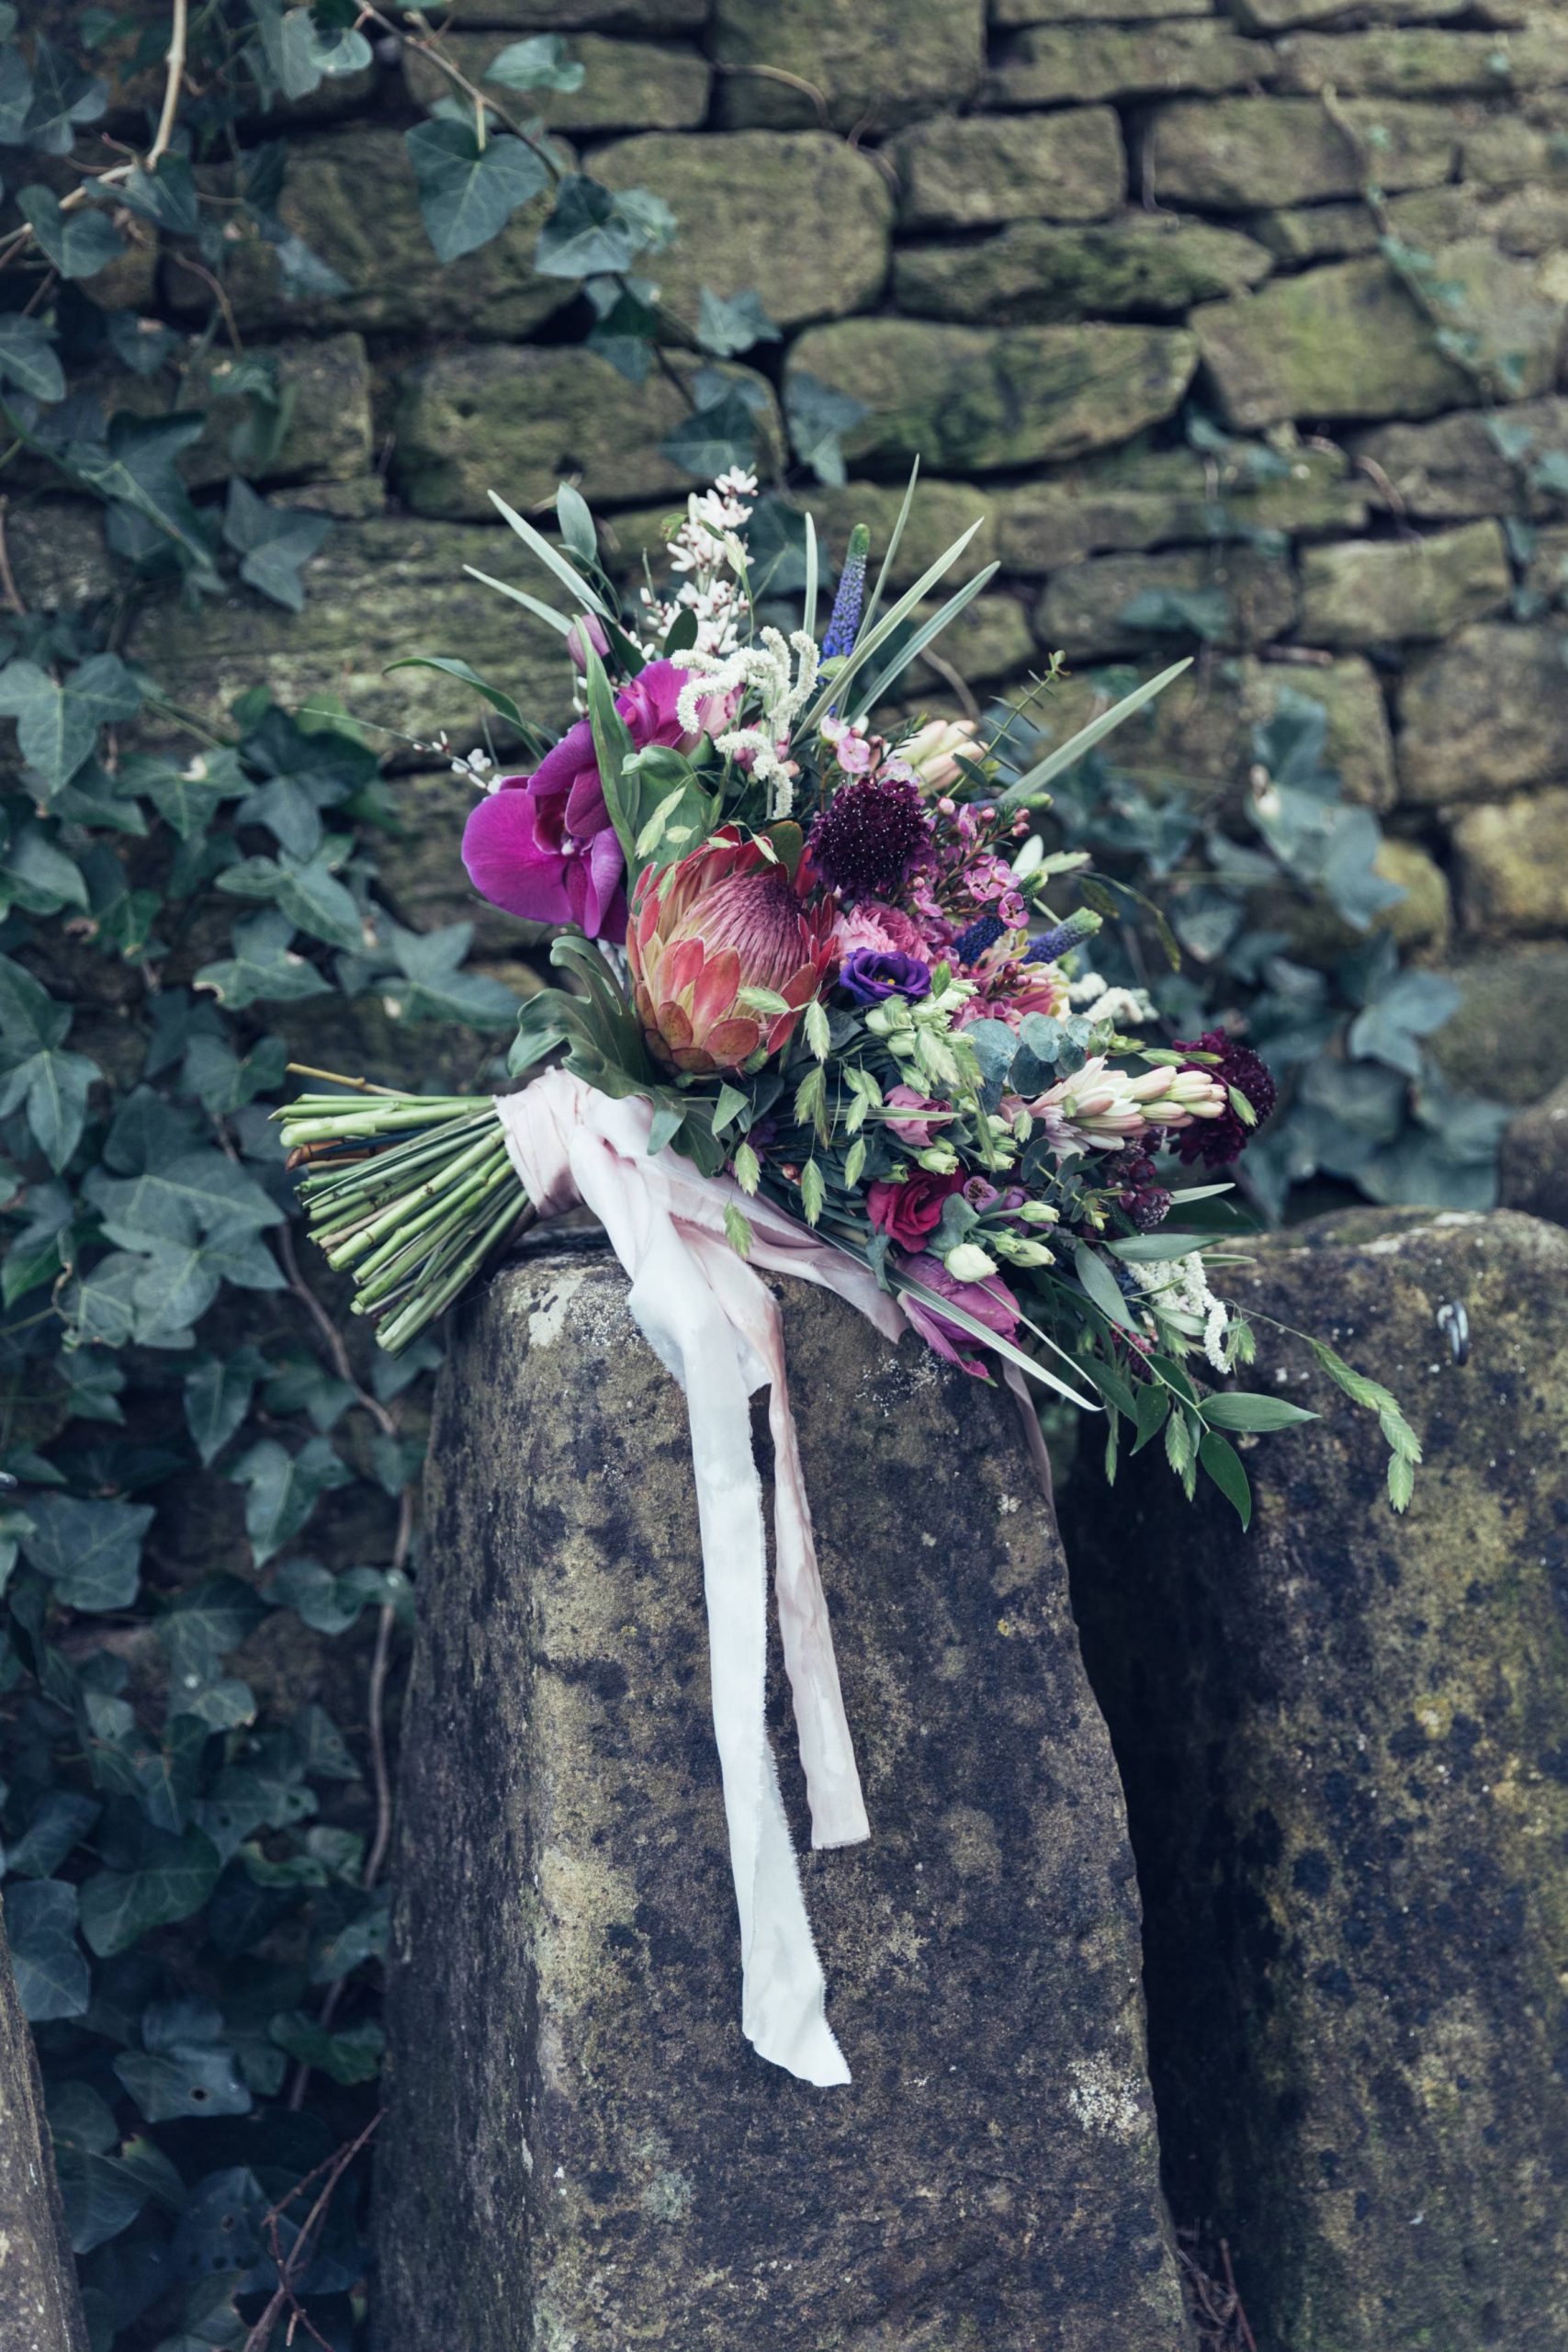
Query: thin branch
point(291, 2266)
point(174, 65)
point(197, 269)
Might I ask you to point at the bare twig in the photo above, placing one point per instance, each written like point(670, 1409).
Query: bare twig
point(292, 2266)
point(790, 80)
point(175, 66)
point(215, 286)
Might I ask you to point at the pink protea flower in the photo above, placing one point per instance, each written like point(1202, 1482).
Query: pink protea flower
point(543, 846)
point(991, 1302)
point(725, 919)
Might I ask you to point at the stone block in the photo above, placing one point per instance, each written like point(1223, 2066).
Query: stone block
point(1420, 63)
point(1507, 152)
point(1149, 498)
point(1229, 596)
point(474, 418)
point(1426, 217)
point(1509, 1037)
point(1511, 864)
point(1455, 466)
point(40, 2309)
point(967, 398)
point(377, 590)
point(1342, 1736)
point(1198, 735)
point(1095, 12)
point(626, 84)
point(1533, 1167)
point(798, 216)
point(1482, 715)
point(880, 64)
point(572, 17)
point(350, 197)
point(1073, 64)
point(941, 512)
point(970, 171)
point(1035, 272)
point(58, 555)
point(1236, 153)
point(1392, 592)
point(1546, 574)
point(1281, 15)
point(989, 642)
point(1350, 340)
point(577, 2130)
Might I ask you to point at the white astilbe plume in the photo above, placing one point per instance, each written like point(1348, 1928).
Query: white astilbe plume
point(709, 556)
point(782, 687)
point(1180, 1287)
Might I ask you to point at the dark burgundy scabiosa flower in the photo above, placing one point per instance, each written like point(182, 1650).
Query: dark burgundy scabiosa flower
point(871, 974)
point(870, 835)
point(1145, 1202)
point(1216, 1142)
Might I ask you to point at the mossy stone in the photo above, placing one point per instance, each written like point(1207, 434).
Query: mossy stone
point(798, 217)
point(626, 84)
point(1075, 64)
point(1511, 863)
point(1095, 12)
point(1482, 715)
point(580, 2146)
point(970, 171)
point(941, 512)
point(1148, 498)
point(1533, 1165)
point(1508, 150)
point(350, 196)
point(1350, 341)
point(961, 396)
point(1509, 1037)
point(1033, 273)
point(1236, 596)
point(1234, 153)
point(1420, 61)
point(376, 591)
point(1392, 592)
point(58, 554)
point(1456, 466)
point(40, 2309)
point(1281, 16)
point(880, 64)
point(571, 16)
point(1343, 1737)
point(474, 418)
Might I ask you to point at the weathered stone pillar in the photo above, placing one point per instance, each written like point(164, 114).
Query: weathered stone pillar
point(40, 2310)
point(582, 2150)
point(1345, 1743)
point(1533, 1167)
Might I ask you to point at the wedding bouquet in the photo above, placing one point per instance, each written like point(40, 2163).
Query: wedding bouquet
point(831, 1009)
point(826, 949)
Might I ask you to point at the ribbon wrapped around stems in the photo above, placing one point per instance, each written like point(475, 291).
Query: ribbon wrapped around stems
point(715, 1326)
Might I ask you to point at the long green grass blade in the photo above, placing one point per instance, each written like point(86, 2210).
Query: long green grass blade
point(910, 652)
point(1068, 755)
point(588, 599)
point(874, 605)
point(557, 621)
point(870, 643)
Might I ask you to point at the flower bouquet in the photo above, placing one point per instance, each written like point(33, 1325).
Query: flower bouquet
point(828, 1004)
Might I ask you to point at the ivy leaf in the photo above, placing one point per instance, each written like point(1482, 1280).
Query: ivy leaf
point(57, 726)
point(284, 1489)
point(467, 193)
point(16, 89)
point(190, 1194)
point(166, 196)
point(134, 467)
point(53, 1087)
point(353, 2055)
point(59, 1820)
point(78, 244)
point(1410, 1008)
point(91, 1552)
point(817, 417)
point(28, 358)
point(218, 1392)
point(262, 968)
point(726, 327)
point(273, 543)
point(593, 231)
point(173, 1878)
point(38, 876)
point(714, 438)
point(541, 63)
point(191, 2078)
point(306, 892)
point(48, 1964)
point(438, 989)
point(62, 97)
point(330, 1603)
point(188, 798)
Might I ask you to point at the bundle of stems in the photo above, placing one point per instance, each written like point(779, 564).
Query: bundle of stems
point(410, 1193)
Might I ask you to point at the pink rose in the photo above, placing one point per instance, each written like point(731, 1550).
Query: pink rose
point(917, 1132)
point(886, 930)
point(912, 1209)
point(543, 846)
point(991, 1302)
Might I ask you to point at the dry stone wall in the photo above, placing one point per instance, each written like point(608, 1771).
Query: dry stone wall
point(1030, 245)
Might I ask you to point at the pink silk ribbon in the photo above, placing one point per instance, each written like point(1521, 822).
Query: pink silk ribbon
point(715, 1326)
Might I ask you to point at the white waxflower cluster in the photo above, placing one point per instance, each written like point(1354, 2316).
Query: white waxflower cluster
point(1125, 1007)
point(709, 557)
point(782, 687)
point(1178, 1290)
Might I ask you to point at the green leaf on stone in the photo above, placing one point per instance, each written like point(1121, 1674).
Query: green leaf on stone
point(264, 967)
point(818, 417)
point(91, 1552)
point(273, 544)
point(172, 1879)
point(57, 725)
point(78, 244)
point(541, 63)
point(48, 1964)
point(52, 1087)
point(306, 892)
point(351, 2054)
point(714, 437)
point(726, 327)
point(284, 1489)
point(135, 468)
point(218, 1394)
point(591, 231)
point(467, 193)
point(62, 97)
point(28, 358)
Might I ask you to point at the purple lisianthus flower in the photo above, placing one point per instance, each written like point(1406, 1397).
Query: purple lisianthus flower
point(871, 974)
